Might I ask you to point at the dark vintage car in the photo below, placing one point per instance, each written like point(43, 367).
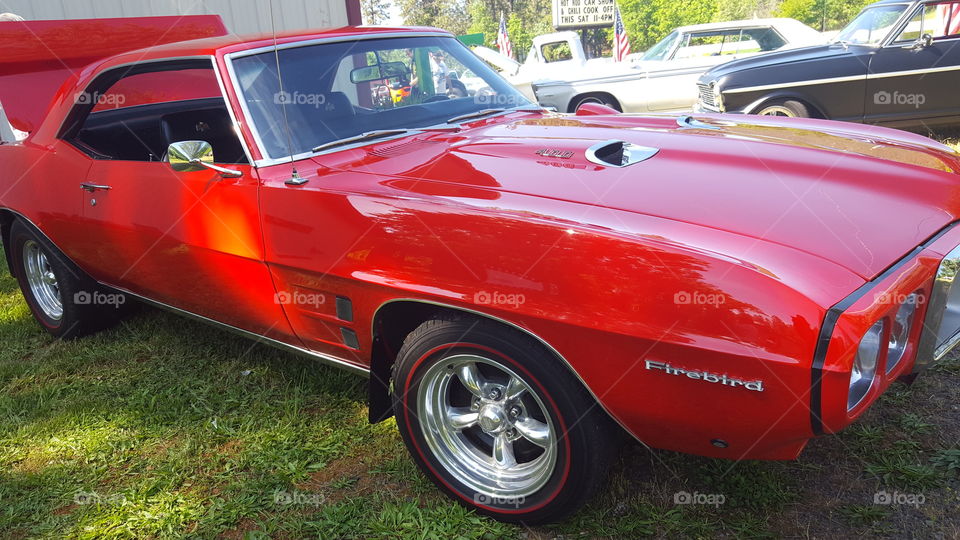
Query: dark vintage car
point(897, 64)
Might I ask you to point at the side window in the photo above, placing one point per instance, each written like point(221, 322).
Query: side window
point(708, 44)
point(556, 52)
point(139, 116)
point(938, 20)
point(761, 40)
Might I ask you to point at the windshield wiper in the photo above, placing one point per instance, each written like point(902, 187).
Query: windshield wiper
point(488, 112)
point(370, 135)
point(476, 114)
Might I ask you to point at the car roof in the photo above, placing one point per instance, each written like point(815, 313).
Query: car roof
point(233, 42)
point(747, 23)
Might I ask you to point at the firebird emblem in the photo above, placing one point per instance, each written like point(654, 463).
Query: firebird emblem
point(547, 152)
point(756, 386)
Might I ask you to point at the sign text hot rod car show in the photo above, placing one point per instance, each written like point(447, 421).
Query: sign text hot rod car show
point(521, 286)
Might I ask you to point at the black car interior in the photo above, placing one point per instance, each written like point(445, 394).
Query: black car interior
point(143, 132)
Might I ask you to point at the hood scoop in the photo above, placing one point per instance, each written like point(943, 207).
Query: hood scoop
point(615, 153)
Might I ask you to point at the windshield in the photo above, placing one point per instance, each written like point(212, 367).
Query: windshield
point(662, 48)
point(333, 91)
point(871, 26)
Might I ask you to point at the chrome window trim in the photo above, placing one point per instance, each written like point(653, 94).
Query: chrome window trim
point(892, 42)
point(898, 25)
point(97, 74)
point(233, 115)
point(266, 160)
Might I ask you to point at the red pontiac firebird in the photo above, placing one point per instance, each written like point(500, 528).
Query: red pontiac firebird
point(520, 285)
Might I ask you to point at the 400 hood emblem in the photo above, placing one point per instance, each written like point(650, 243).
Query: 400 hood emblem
point(549, 152)
point(756, 386)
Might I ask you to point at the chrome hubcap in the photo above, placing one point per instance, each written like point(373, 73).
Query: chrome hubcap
point(777, 110)
point(42, 280)
point(487, 427)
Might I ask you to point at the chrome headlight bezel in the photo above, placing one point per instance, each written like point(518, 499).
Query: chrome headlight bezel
point(863, 373)
point(901, 328)
point(717, 97)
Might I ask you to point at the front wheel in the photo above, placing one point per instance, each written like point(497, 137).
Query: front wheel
point(789, 108)
point(497, 423)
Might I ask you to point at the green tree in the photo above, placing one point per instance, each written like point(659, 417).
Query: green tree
point(822, 14)
point(732, 10)
point(649, 21)
point(450, 15)
point(375, 11)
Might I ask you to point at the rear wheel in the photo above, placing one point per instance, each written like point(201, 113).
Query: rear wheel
point(497, 423)
point(64, 301)
point(789, 108)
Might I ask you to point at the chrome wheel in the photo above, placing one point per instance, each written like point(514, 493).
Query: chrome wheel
point(777, 110)
point(42, 280)
point(487, 427)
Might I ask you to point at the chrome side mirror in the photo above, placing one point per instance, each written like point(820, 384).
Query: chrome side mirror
point(188, 156)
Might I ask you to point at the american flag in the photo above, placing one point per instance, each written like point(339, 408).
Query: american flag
point(949, 19)
point(503, 40)
point(621, 43)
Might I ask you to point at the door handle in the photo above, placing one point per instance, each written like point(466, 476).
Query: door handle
point(87, 186)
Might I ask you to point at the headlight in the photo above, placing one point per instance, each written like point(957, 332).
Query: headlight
point(717, 97)
point(865, 364)
point(900, 331)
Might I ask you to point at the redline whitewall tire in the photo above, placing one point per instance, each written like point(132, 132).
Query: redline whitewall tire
point(497, 422)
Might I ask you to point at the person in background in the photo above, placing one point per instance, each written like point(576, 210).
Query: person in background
point(440, 72)
point(4, 17)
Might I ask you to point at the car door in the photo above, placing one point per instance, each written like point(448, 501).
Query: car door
point(911, 80)
point(190, 240)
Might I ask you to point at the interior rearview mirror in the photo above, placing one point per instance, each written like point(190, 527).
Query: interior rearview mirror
point(187, 156)
point(376, 72)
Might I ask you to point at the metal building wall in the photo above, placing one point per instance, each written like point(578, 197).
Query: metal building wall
point(240, 16)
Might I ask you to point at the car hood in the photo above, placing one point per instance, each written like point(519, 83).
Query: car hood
point(860, 197)
point(788, 56)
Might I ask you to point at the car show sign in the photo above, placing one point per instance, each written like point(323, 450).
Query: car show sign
point(575, 14)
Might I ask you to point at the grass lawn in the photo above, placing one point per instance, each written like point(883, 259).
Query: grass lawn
point(162, 427)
